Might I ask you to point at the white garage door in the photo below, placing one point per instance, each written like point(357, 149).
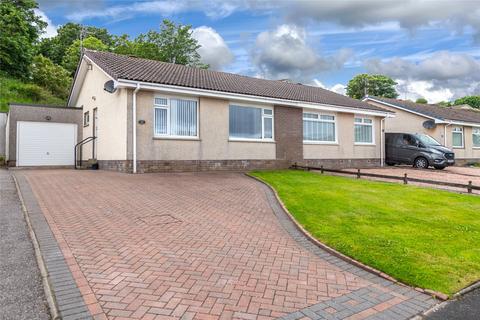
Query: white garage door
point(45, 143)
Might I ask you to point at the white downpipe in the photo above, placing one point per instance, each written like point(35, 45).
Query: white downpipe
point(134, 127)
point(382, 144)
point(445, 134)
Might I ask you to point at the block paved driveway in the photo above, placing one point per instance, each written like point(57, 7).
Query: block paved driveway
point(201, 246)
point(450, 174)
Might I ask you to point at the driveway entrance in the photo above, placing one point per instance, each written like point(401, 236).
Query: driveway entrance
point(203, 246)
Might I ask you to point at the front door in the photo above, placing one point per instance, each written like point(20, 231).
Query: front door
point(95, 133)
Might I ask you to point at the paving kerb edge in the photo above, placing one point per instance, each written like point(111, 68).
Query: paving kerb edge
point(438, 295)
point(52, 304)
point(459, 294)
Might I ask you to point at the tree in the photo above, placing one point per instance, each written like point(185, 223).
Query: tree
point(375, 85)
point(472, 101)
point(444, 103)
point(174, 43)
point(55, 48)
point(422, 101)
point(51, 76)
point(19, 31)
point(72, 54)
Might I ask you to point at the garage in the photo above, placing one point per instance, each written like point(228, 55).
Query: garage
point(45, 143)
point(42, 136)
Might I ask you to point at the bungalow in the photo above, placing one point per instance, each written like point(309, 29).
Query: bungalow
point(455, 127)
point(150, 116)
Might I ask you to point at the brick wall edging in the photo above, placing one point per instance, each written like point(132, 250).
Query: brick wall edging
point(321, 245)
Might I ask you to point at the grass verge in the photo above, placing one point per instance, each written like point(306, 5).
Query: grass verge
point(423, 237)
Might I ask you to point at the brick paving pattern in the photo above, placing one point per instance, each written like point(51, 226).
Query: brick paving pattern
point(201, 246)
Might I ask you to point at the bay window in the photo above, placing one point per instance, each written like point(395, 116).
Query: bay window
point(175, 117)
point(476, 137)
point(457, 137)
point(251, 123)
point(363, 130)
point(319, 128)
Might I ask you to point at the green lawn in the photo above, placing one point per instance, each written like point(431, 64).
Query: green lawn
point(424, 237)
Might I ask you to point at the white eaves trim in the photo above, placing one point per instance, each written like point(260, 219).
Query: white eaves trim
point(461, 123)
point(82, 71)
point(245, 98)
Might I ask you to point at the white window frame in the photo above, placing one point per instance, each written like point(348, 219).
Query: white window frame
point(474, 134)
point(334, 121)
point(362, 123)
point(461, 131)
point(167, 107)
point(263, 139)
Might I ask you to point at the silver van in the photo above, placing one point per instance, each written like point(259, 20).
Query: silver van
point(419, 150)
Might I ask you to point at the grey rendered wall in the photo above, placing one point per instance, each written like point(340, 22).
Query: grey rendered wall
point(3, 125)
point(38, 113)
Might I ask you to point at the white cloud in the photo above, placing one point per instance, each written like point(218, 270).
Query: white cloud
point(410, 14)
point(214, 51)
point(164, 8)
point(337, 88)
point(412, 90)
point(214, 9)
point(285, 54)
point(51, 29)
point(442, 74)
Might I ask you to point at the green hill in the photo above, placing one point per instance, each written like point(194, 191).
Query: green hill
point(13, 90)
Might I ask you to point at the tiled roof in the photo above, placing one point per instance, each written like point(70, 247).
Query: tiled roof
point(435, 111)
point(131, 68)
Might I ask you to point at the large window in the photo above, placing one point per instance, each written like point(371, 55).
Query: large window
point(250, 123)
point(457, 137)
point(175, 117)
point(476, 137)
point(319, 128)
point(363, 130)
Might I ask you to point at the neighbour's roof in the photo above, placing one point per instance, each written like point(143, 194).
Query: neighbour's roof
point(433, 110)
point(137, 69)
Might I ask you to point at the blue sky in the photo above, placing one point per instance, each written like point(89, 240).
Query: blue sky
point(431, 48)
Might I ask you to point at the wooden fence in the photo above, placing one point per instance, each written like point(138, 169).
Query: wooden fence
point(470, 187)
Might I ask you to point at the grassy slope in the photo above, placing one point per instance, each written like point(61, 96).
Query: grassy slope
point(424, 237)
point(13, 90)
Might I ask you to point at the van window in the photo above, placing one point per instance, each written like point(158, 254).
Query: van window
point(408, 140)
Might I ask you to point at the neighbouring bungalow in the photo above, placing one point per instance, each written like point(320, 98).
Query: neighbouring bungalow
point(151, 116)
point(455, 127)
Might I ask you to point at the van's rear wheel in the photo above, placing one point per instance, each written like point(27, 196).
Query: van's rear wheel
point(420, 163)
point(388, 163)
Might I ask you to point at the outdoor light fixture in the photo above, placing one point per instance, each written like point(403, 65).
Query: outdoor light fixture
point(141, 121)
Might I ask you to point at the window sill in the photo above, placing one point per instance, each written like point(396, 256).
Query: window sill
point(176, 138)
point(458, 147)
point(321, 143)
point(365, 144)
point(251, 140)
